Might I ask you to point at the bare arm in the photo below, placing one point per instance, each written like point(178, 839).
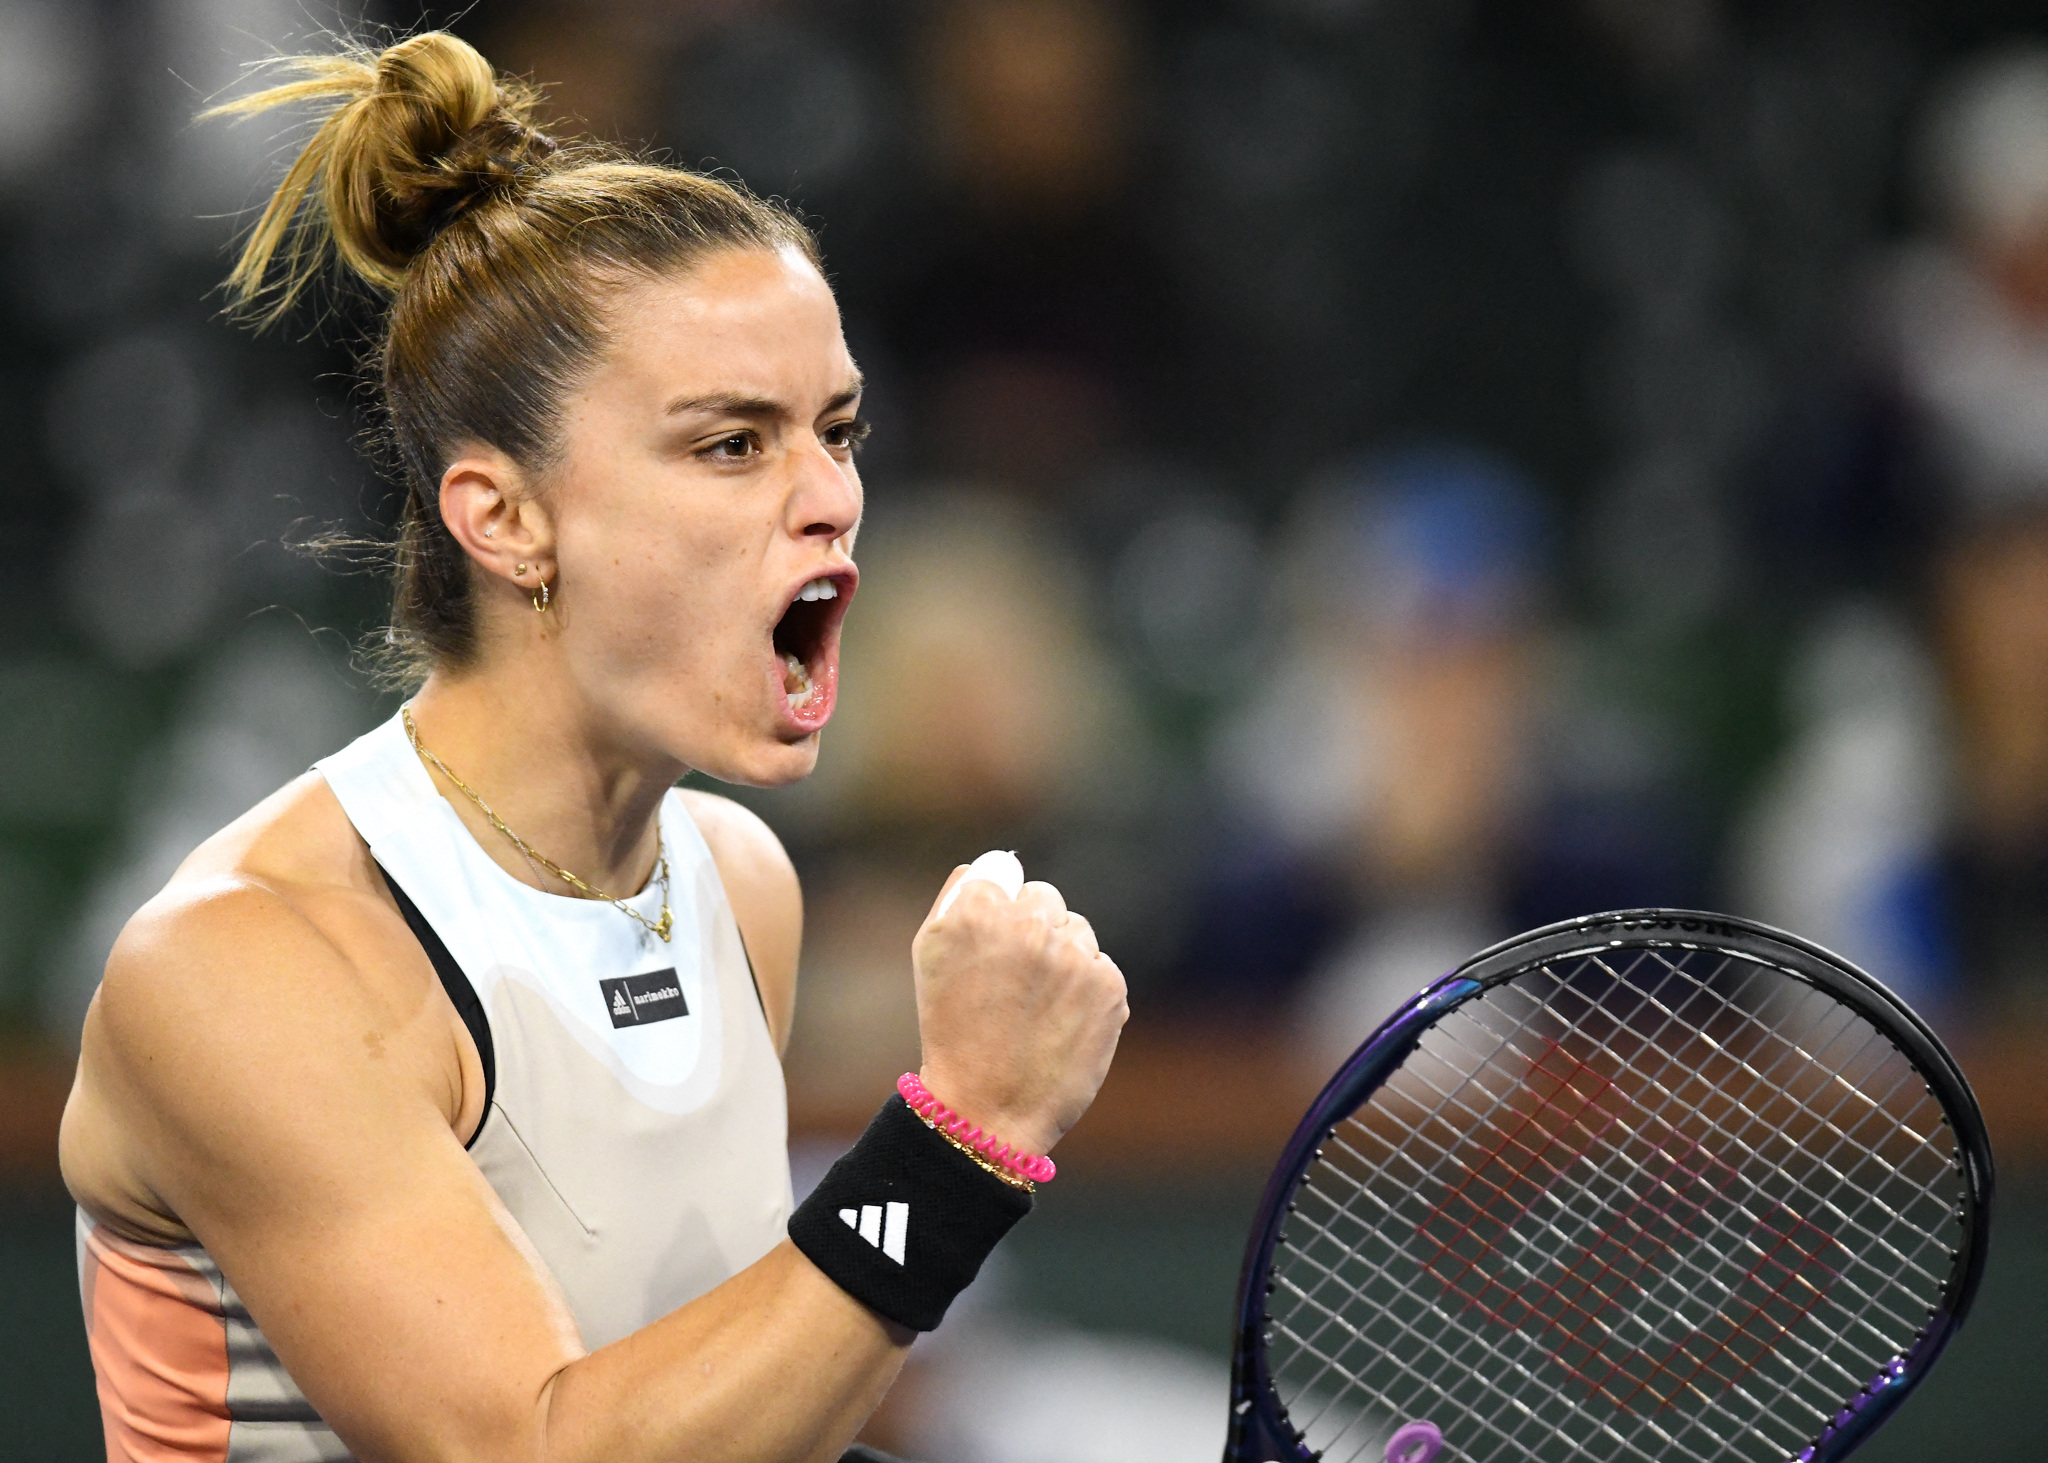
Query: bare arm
point(293, 1110)
point(761, 886)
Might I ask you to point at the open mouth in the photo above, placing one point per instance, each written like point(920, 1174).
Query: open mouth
point(806, 641)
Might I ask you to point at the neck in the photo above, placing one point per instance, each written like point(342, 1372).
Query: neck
point(551, 769)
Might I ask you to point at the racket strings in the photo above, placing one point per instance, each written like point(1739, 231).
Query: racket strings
point(1445, 1098)
point(1353, 1152)
point(1588, 1105)
point(1941, 1169)
point(1737, 1139)
point(1874, 1109)
point(1448, 1359)
point(1793, 1050)
point(1635, 1237)
point(1463, 1359)
point(1766, 1222)
point(1458, 1362)
point(1453, 1095)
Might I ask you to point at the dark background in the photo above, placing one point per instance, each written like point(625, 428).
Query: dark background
point(1351, 479)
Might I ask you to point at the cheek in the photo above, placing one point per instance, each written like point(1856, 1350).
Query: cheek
point(661, 602)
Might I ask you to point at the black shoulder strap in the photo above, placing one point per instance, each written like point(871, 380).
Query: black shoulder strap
point(460, 992)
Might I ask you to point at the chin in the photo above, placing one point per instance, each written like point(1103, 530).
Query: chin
point(770, 764)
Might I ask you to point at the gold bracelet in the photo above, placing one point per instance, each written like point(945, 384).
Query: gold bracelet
point(1014, 1180)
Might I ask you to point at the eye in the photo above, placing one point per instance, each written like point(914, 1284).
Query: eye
point(734, 448)
point(848, 434)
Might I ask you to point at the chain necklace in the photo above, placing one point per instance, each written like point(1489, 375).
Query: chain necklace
point(661, 928)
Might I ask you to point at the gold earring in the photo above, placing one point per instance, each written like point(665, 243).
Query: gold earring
point(541, 598)
point(519, 571)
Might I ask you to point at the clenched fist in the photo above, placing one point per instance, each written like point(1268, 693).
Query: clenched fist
point(1018, 1010)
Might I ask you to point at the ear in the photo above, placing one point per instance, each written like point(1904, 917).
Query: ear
point(496, 514)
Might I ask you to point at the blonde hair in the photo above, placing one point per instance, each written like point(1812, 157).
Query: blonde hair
point(429, 179)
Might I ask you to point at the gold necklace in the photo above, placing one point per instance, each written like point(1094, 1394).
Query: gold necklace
point(660, 928)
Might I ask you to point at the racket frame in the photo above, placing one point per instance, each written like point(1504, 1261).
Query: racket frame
point(1259, 1432)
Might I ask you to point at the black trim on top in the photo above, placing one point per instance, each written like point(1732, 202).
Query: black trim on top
point(460, 992)
point(759, 999)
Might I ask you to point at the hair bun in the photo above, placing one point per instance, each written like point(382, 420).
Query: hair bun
point(418, 135)
point(438, 133)
point(493, 158)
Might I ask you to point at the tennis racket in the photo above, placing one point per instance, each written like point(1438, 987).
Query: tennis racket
point(1648, 1187)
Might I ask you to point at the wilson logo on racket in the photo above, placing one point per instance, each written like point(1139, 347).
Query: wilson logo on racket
point(1587, 1306)
point(885, 1226)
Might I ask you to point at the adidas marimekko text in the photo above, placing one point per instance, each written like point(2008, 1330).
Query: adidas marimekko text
point(636, 1000)
point(885, 1226)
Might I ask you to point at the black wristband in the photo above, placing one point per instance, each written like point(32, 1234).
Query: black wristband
point(904, 1221)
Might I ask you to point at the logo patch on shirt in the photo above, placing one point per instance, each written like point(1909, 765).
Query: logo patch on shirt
point(635, 1000)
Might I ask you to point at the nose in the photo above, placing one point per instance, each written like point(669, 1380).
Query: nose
point(826, 500)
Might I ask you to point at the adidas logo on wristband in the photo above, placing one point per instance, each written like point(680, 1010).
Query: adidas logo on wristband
point(860, 1212)
point(885, 1226)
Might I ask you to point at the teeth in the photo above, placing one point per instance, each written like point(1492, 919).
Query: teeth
point(796, 682)
point(819, 589)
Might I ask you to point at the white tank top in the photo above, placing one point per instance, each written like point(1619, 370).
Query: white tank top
point(636, 1128)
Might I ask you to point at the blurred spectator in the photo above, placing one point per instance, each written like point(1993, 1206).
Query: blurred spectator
point(1388, 760)
point(1909, 829)
point(1019, 292)
point(1426, 768)
point(1030, 102)
point(1912, 839)
point(1992, 597)
point(976, 698)
point(1844, 841)
point(1970, 306)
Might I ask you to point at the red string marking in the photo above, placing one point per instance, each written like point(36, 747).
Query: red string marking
point(1795, 1265)
point(1580, 1314)
point(1543, 1136)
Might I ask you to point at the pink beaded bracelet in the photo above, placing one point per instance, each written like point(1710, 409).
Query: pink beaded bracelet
point(1033, 1166)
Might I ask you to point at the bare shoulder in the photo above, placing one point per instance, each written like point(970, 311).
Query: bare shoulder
point(228, 994)
point(767, 901)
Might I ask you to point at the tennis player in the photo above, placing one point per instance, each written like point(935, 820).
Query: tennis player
point(434, 1110)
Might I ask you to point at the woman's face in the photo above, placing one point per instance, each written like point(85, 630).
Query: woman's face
point(704, 513)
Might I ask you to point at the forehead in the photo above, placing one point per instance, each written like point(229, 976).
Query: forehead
point(750, 320)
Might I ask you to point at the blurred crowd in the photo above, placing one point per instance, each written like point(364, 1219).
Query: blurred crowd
point(1352, 479)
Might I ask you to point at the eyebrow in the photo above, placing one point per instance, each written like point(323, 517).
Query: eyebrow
point(732, 404)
